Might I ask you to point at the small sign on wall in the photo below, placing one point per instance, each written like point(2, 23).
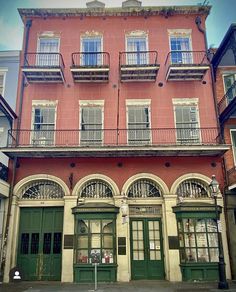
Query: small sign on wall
point(121, 245)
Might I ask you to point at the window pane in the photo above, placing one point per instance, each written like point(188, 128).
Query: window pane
point(190, 240)
point(108, 241)
point(188, 225)
point(214, 254)
point(213, 239)
point(107, 226)
point(201, 239)
point(83, 226)
point(95, 226)
point(200, 226)
point(203, 255)
point(82, 256)
point(107, 256)
point(57, 243)
point(83, 242)
point(34, 243)
point(24, 249)
point(95, 241)
point(47, 238)
point(191, 255)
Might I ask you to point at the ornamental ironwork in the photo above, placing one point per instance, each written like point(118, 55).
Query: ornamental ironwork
point(144, 188)
point(96, 189)
point(192, 188)
point(42, 190)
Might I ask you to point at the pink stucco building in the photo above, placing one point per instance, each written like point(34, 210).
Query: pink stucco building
point(115, 145)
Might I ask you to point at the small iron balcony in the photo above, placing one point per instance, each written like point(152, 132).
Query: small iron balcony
point(90, 67)
point(44, 68)
point(227, 105)
point(138, 66)
point(186, 65)
point(3, 172)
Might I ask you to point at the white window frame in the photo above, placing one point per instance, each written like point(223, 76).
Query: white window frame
point(138, 103)
point(190, 102)
point(233, 147)
point(136, 34)
point(43, 104)
point(184, 33)
point(3, 72)
point(91, 35)
point(49, 35)
point(91, 103)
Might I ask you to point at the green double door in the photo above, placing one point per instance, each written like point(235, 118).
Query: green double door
point(146, 249)
point(40, 243)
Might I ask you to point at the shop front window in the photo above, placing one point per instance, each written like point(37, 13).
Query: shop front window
point(198, 240)
point(95, 241)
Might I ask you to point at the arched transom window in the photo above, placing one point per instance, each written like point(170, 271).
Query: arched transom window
point(144, 188)
point(193, 188)
point(96, 189)
point(42, 190)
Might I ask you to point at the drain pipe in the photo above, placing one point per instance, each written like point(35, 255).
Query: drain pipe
point(15, 160)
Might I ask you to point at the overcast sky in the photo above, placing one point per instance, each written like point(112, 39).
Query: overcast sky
point(223, 13)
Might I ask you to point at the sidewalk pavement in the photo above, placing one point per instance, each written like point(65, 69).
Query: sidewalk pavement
point(133, 286)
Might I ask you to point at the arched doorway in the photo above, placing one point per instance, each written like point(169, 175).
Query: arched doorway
point(40, 231)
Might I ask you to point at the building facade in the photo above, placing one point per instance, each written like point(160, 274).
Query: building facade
point(116, 146)
point(224, 62)
point(9, 70)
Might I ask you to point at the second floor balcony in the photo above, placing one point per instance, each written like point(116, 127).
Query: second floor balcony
point(90, 67)
point(186, 65)
point(140, 66)
point(44, 68)
point(227, 105)
point(115, 142)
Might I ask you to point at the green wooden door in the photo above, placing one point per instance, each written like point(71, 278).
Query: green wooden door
point(146, 249)
point(40, 243)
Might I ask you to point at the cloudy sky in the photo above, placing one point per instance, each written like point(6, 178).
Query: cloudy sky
point(11, 27)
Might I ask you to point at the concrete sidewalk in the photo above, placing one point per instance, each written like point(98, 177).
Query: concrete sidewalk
point(133, 286)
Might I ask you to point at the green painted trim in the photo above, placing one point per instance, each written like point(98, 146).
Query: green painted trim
point(95, 208)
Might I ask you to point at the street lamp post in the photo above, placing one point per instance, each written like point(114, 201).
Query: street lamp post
point(223, 284)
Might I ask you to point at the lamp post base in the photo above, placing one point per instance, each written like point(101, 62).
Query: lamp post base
point(223, 284)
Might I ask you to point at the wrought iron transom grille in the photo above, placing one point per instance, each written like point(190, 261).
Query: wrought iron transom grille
point(96, 189)
point(193, 189)
point(145, 211)
point(42, 190)
point(144, 188)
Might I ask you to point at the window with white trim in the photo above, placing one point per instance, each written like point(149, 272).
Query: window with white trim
point(233, 142)
point(180, 47)
point(230, 88)
point(91, 125)
point(2, 82)
point(136, 50)
point(138, 124)
point(187, 125)
point(91, 48)
point(48, 49)
point(43, 125)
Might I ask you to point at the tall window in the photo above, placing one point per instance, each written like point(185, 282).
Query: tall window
point(180, 47)
point(138, 125)
point(91, 125)
point(198, 240)
point(91, 48)
point(43, 126)
point(233, 142)
point(230, 89)
point(138, 45)
point(186, 118)
point(48, 49)
point(2, 82)
point(95, 241)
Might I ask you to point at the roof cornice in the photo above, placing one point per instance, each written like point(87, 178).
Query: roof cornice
point(137, 11)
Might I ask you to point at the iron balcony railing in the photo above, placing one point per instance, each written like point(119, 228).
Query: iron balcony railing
point(138, 59)
point(184, 58)
point(44, 60)
point(90, 60)
point(227, 98)
point(3, 172)
point(114, 137)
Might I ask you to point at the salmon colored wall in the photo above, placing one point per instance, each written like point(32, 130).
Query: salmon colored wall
point(130, 166)
point(114, 30)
